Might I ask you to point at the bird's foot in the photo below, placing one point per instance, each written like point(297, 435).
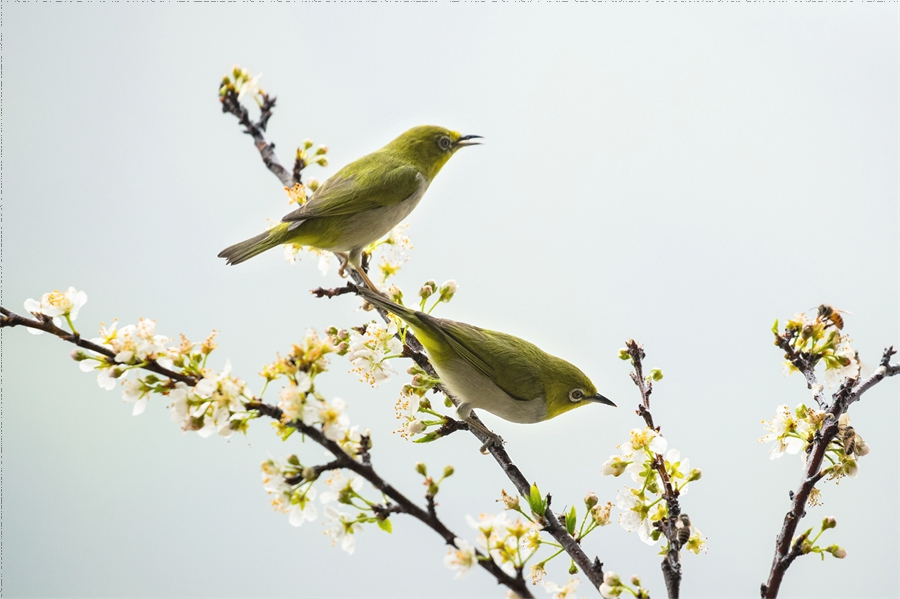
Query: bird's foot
point(491, 440)
point(345, 260)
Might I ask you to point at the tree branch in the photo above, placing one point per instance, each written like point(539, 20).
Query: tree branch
point(11, 319)
point(671, 564)
point(847, 394)
point(342, 460)
point(593, 569)
point(404, 504)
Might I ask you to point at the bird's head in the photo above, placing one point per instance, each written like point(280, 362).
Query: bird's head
point(430, 147)
point(569, 388)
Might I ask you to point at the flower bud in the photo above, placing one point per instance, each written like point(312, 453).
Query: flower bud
point(624, 355)
point(636, 581)
point(321, 150)
point(838, 552)
point(656, 374)
point(313, 184)
point(590, 500)
point(79, 355)
point(612, 579)
point(421, 469)
point(448, 471)
point(829, 522)
point(427, 290)
point(694, 474)
point(573, 569)
point(322, 162)
point(448, 290)
point(307, 144)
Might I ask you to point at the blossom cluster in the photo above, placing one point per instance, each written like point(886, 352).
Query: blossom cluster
point(290, 486)
point(792, 431)
point(510, 543)
point(824, 341)
point(643, 505)
point(369, 349)
point(614, 586)
point(57, 304)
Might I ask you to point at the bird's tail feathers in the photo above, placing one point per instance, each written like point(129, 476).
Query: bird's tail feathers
point(245, 250)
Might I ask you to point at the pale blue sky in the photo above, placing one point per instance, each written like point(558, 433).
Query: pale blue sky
point(680, 174)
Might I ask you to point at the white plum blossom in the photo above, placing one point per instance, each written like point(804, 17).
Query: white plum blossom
point(369, 353)
point(56, 304)
point(790, 430)
point(849, 364)
point(332, 417)
point(338, 484)
point(293, 397)
point(249, 88)
point(462, 558)
point(614, 466)
point(562, 592)
point(645, 438)
point(344, 529)
point(135, 391)
point(305, 509)
point(213, 406)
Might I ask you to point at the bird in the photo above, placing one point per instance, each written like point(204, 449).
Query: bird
point(493, 371)
point(364, 200)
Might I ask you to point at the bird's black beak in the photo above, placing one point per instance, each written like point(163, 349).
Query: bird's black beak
point(463, 141)
point(600, 399)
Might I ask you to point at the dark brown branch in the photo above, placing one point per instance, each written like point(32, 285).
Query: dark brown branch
point(805, 362)
point(11, 319)
point(671, 564)
point(850, 392)
point(333, 292)
point(403, 503)
point(230, 104)
point(592, 569)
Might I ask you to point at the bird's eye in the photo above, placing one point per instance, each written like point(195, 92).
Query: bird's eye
point(576, 394)
point(444, 142)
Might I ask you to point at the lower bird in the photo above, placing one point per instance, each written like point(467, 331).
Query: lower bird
point(500, 373)
point(363, 201)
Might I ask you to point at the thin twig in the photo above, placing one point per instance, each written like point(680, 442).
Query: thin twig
point(11, 319)
point(671, 564)
point(846, 395)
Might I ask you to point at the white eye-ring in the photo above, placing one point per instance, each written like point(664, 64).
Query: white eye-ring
point(444, 142)
point(576, 395)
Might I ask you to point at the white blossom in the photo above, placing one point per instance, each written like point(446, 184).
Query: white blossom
point(344, 529)
point(462, 558)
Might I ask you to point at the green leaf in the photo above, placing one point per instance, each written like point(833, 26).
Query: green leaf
point(535, 501)
point(775, 327)
point(385, 525)
point(571, 519)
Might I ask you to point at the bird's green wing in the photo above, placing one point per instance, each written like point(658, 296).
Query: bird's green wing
point(513, 364)
point(370, 182)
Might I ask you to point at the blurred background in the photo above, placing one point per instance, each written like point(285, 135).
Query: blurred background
point(682, 175)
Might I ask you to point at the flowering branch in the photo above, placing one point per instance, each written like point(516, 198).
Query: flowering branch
point(230, 94)
point(403, 504)
point(342, 460)
point(673, 524)
point(805, 343)
point(593, 569)
point(45, 324)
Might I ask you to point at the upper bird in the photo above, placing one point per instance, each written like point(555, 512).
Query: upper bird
point(502, 374)
point(364, 200)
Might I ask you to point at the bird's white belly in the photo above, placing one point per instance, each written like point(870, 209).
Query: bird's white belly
point(371, 225)
point(471, 387)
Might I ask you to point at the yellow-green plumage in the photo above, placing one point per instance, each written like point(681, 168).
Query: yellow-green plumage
point(494, 371)
point(364, 200)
